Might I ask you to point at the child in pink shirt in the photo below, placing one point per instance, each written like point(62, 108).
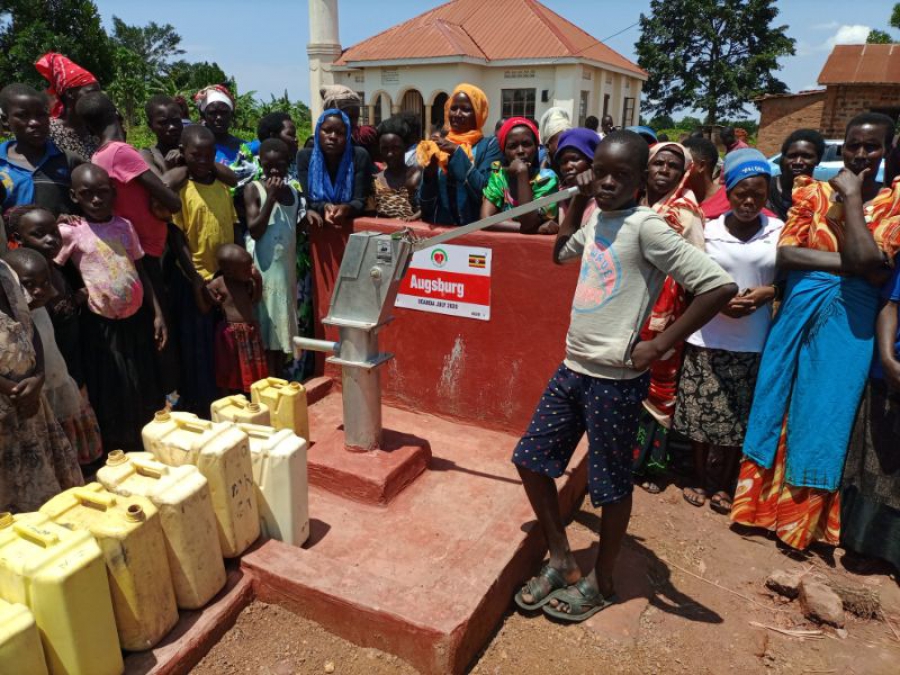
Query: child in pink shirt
point(141, 198)
point(118, 330)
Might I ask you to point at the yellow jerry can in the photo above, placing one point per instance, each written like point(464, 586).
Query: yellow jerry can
point(20, 642)
point(130, 535)
point(287, 404)
point(163, 422)
point(221, 452)
point(238, 409)
point(181, 495)
point(60, 575)
point(279, 471)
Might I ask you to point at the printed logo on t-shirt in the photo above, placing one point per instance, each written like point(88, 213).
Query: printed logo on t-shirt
point(8, 183)
point(600, 276)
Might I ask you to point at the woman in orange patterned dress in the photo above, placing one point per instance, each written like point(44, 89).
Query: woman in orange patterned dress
point(834, 248)
point(669, 169)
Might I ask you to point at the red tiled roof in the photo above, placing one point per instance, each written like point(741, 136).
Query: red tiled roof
point(469, 28)
point(862, 64)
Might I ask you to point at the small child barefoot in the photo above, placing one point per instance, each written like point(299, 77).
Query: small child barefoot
point(239, 354)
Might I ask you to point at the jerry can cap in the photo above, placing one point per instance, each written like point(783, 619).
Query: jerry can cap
point(135, 513)
point(116, 457)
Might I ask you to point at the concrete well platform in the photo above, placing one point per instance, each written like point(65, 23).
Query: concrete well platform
point(429, 576)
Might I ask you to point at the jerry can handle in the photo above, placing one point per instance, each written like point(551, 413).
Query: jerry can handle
point(149, 468)
point(239, 401)
point(35, 534)
point(257, 431)
point(96, 499)
point(196, 426)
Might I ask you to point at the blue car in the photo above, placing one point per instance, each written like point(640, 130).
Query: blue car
point(829, 167)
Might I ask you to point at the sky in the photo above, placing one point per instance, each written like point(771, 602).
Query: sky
point(263, 43)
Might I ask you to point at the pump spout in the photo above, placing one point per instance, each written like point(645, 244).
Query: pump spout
point(303, 344)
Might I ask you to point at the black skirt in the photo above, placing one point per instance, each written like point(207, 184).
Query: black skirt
point(870, 499)
point(120, 370)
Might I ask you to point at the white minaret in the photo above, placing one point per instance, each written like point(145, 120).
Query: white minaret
point(323, 49)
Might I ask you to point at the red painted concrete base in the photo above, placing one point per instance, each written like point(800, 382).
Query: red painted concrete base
point(195, 633)
point(428, 577)
point(374, 477)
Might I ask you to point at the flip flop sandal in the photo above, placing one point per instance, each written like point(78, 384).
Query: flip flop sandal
point(651, 487)
point(721, 503)
point(580, 596)
point(700, 498)
point(555, 580)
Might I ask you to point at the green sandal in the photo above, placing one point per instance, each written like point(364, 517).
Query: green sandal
point(555, 580)
point(582, 597)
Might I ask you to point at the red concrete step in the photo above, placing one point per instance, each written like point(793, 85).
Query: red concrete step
point(374, 477)
point(196, 631)
point(429, 576)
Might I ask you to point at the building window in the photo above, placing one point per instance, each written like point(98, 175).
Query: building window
point(628, 113)
point(605, 105)
point(518, 103)
point(518, 74)
point(583, 108)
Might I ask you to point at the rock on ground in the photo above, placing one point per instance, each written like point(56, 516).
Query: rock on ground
point(821, 604)
point(784, 583)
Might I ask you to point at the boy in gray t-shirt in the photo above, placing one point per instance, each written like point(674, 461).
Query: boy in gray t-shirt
point(626, 252)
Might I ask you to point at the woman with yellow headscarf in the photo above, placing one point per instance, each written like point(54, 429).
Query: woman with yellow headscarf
point(457, 161)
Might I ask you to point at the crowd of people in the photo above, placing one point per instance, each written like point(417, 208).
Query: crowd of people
point(754, 315)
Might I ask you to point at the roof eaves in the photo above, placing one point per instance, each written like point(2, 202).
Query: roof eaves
point(415, 61)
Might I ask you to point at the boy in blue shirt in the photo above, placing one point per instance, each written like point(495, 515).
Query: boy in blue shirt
point(32, 169)
point(626, 252)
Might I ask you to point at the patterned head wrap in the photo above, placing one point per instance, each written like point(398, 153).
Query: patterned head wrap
point(63, 74)
point(215, 93)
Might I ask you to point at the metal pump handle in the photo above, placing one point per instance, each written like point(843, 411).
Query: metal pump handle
point(495, 219)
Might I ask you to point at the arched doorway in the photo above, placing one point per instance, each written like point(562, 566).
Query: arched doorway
point(437, 111)
point(375, 107)
point(412, 102)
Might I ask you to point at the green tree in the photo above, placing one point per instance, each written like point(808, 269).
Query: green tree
point(711, 55)
point(690, 122)
point(187, 78)
point(30, 28)
point(133, 83)
point(156, 45)
point(880, 37)
point(662, 122)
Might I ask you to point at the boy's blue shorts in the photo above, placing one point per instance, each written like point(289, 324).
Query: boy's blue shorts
point(607, 410)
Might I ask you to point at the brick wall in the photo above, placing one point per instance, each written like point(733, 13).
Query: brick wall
point(781, 115)
point(843, 102)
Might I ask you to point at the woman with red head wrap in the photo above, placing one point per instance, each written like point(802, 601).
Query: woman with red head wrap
point(68, 83)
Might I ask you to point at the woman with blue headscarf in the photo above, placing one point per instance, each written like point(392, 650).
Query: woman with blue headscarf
point(335, 174)
point(721, 360)
point(336, 177)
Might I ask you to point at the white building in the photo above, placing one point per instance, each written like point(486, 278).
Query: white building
point(525, 57)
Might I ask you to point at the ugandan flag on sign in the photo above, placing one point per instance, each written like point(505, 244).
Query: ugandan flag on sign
point(477, 261)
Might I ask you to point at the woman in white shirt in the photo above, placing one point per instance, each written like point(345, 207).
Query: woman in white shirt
point(721, 359)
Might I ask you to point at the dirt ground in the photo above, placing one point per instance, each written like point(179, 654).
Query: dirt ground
point(705, 582)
